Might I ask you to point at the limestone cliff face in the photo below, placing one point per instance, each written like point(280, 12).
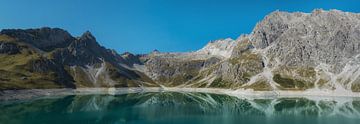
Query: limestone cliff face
point(311, 50)
point(308, 39)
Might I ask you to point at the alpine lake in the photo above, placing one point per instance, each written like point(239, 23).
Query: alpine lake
point(179, 108)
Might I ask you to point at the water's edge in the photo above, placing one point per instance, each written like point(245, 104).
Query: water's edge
point(6, 95)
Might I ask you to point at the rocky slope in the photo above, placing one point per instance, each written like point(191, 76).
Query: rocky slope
point(311, 50)
point(285, 51)
point(52, 58)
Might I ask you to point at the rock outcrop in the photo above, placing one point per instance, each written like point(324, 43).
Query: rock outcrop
point(311, 50)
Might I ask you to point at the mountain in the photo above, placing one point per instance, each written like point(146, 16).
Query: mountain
point(52, 58)
point(285, 51)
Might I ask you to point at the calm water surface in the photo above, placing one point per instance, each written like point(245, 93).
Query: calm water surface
point(176, 108)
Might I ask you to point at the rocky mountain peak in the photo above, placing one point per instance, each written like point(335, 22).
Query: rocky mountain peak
point(44, 38)
point(155, 51)
point(323, 41)
point(127, 54)
point(279, 23)
point(87, 36)
point(131, 59)
point(222, 47)
point(317, 11)
point(87, 41)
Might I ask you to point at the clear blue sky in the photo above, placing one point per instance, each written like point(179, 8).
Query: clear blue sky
point(139, 26)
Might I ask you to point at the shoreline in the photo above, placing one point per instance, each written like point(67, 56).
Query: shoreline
point(7, 95)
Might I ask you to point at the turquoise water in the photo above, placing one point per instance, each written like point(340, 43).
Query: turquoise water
point(179, 108)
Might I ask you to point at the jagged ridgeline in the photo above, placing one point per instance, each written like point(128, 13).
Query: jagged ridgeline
point(52, 58)
point(285, 51)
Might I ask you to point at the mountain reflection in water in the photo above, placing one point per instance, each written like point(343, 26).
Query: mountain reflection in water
point(174, 107)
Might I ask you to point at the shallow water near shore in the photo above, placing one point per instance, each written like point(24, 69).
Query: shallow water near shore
point(179, 107)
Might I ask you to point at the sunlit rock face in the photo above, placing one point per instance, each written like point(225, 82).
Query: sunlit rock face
point(148, 107)
point(220, 48)
point(285, 51)
point(311, 50)
point(308, 39)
